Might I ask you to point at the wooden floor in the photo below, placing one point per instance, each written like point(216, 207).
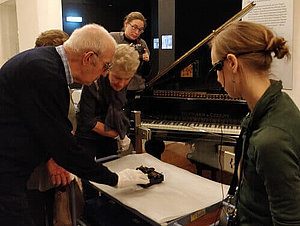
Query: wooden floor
point(175, 154)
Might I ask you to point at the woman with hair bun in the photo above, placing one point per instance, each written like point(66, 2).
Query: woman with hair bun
point(269, 178)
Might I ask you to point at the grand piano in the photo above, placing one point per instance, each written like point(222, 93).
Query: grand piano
point(185, 103)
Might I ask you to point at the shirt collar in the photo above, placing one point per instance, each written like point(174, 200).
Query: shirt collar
point(129, 40)
point(61, 51)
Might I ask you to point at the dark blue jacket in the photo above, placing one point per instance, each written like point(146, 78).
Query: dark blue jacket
point(34, 103)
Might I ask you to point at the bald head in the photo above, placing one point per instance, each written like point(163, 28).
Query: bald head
point(90, 49)
point(91, 37)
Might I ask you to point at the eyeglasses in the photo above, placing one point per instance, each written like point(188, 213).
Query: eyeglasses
point(134, 27)
point(219, 65)
point(107, 67)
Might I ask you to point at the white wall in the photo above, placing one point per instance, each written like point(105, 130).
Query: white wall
point(9, 42)
point(295, 92)
point(36, 16)
point(21, 21)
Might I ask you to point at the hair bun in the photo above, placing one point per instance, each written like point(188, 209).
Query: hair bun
point(278, 46)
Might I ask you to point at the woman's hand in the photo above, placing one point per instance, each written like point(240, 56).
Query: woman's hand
point(146, 55)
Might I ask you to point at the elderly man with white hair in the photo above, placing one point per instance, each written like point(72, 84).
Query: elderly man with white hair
point(34, 125)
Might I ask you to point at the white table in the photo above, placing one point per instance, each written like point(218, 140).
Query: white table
point(182, 196)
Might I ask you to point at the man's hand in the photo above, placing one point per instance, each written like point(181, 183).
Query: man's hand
point(130, 177)
point(59, 176)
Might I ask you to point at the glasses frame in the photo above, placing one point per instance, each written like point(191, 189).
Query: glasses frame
point(134, 27)
point(218, 66)
point(107, 67)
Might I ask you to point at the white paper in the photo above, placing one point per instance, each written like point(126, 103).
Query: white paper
point(181, 193)
point(277, 15)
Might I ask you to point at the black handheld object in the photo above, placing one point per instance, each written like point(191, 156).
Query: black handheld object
point(154, 177)
point(141, 50)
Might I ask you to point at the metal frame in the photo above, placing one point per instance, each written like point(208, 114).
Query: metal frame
point(181, 221)
point(140, 132)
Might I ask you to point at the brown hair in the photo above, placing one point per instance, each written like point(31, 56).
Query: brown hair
point(257, 40)
point(135, 16)
point(53, 37)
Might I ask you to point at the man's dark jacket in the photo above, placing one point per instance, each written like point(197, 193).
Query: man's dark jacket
point(34, 103)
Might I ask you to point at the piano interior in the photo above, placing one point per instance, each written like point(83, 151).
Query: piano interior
point(185, 103)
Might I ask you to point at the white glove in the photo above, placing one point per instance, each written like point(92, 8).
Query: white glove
point(130, 177)
point(123, 143)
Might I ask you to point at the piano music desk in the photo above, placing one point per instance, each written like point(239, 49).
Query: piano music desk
point(182, 198)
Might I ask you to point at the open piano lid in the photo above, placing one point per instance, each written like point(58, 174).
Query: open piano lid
point(190, 74)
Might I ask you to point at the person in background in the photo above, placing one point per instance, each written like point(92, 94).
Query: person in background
point(134, 25)
point(269, 191)
point(53, 37)
point(34, 124)
point(102, 122)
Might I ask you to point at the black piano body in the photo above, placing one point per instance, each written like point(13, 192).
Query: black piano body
point(183, 115)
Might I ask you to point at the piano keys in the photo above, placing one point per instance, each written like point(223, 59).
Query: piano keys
point(208, 127)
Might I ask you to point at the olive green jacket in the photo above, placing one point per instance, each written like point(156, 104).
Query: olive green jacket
point(269, 193)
